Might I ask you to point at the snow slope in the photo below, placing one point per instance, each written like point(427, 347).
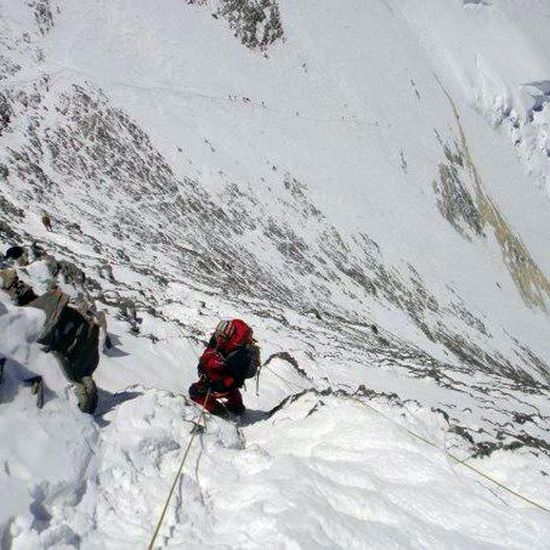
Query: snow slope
point(316, 170)
point(357, 478)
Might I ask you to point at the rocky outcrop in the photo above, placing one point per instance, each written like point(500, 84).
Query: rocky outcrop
point(463, 199)
point(256, 23)
point(20, 292)
point(73, 328)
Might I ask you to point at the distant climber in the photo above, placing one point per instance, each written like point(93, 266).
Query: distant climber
point(46, 221)
point(231, 356)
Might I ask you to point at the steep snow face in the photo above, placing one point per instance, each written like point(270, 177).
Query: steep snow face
point(316, 170)
point(346, 168)
point(320, 469)
point(497, 53)
point(312, 456)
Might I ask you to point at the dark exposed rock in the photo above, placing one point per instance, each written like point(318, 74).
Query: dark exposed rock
point(14, 252)
point(285, 356)
point(8, 67)
point(6, 113)
point(257, 23)
point(71, 334)
point(7, 232)
point(455, 201)
point(52, 303)
point(295, 397)
point(9, 210)
point(19, 291)
point(481, 212)
point(43, 15)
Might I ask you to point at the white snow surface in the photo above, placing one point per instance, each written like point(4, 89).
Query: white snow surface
point(336, 130)
point(323, 471)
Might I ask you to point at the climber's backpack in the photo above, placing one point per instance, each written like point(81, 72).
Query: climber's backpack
point(234, 341)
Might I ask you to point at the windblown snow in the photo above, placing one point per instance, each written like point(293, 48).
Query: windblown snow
point(367, 184)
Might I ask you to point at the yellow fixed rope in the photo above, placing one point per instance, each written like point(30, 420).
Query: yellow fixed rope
point(459, 461)
point(176, 479)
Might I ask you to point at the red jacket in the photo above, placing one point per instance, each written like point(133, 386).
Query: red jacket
point(212, 365)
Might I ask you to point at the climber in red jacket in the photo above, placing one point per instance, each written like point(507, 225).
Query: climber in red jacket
point(231, 356)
